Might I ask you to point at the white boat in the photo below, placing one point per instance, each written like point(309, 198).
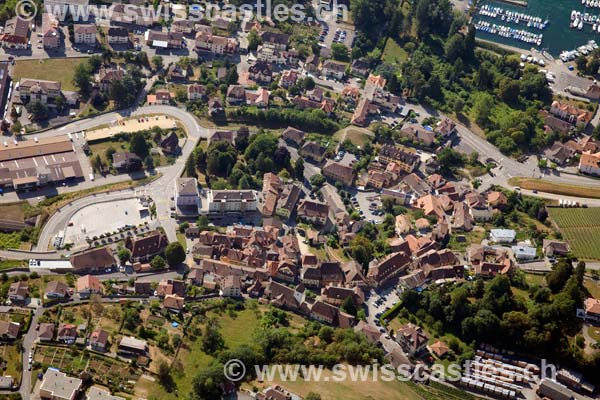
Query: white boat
point(580, 26)
point(594, 27)
point(573, 13)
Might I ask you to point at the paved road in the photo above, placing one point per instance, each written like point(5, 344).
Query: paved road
point(507, 167)
point(160, 189)
point(28, 341)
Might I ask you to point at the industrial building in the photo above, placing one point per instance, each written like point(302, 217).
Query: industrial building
point(29, 164)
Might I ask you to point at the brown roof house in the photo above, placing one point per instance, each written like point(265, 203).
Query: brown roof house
point(9, 330)
point(293, 136)
point(170, 144)
point(67, 333)
point(382, 272)
point(173, 303)
point(144, 248)
point(16, 34)
point(313, 150)
point(18, 292)
point(412, 338)
point(124, 161)
point(46, 332)
point(56, 290)
point(50, 32)
point(88, 285)
point(98, 340)
point(313, 211)
point(338, 172)
point(554, 248)
point(91, 261)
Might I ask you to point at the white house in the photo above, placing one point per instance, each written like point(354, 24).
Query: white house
point(232, 201)
point(502, 235)
point(524, 253)
point(186, 193)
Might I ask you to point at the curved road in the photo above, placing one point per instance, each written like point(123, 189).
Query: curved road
point(160, 189)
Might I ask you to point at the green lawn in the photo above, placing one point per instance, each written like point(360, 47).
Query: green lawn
point(181, 240)
point(581, 228)
point(53, 69)
point(12, 355)
point(594, 332)
point(348, 390)
point(393, 53)
point(593, 287)
point(461, 241)
point(10, 240)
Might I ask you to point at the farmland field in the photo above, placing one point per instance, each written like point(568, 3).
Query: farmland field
point(581, 228)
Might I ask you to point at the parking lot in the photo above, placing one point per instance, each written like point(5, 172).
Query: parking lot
point(103, 218)
point(368, 204)
point(334, 31)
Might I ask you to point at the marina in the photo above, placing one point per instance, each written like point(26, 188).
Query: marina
point(566, 25)
point(508, 32)
point(510, 16)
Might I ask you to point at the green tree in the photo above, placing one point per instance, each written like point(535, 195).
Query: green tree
point(339, 51)
point(37, 110)
point(317, 180)
point(157, 61)
point(455, 47)
point(206, 385)
point(109, 153)
point(131, 319)
point(149, 162)
point(81, 79)
point(459, 106)
point(158, 262)
point(253, 40)
point(299, 168)
point(482, 108)
point(313, 396)
point(362, 250)
point(348, 306)
point(212, 340)
point(560, 274)
point(139, 145)
point(123, 254)
point(190, 166)
point(175, 254)
point(203, 222)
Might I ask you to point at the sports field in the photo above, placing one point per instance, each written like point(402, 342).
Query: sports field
point(581, 228)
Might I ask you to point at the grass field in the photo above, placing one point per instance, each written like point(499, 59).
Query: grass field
point(393, 53)
point(348, 390)
point(581, 228)
point(11, 353)
point(357, 136)
point(10, 240)
point(593, 287)
point(12, 211)
point(54, 69)
point(556, 188)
